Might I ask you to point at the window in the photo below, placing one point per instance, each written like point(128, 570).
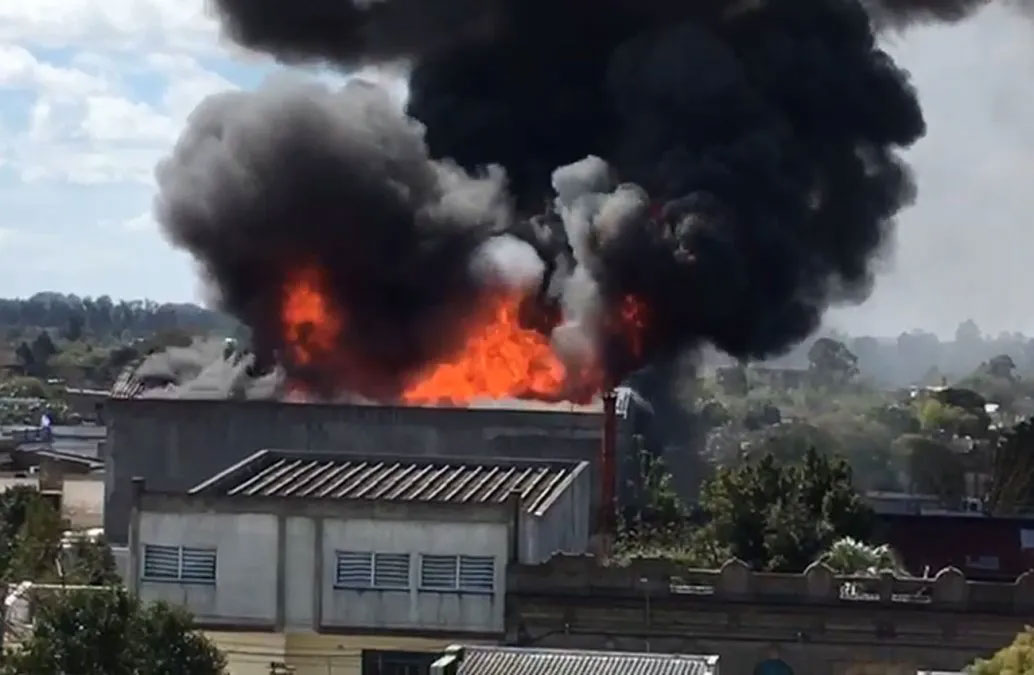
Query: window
point(468, 573)
point(391, 570)
point(362, 569)
point(477, 573)
point(182, 564)
point(438, 572)
point(397, 663)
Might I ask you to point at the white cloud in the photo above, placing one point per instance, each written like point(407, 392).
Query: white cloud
point(20, 69)
point(92, 127)
point(143, 222)
point(109, 24)
point(188, 82)
point(116, 120)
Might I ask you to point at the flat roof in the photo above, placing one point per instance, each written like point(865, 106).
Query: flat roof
point(486, 660)
point(315, 475)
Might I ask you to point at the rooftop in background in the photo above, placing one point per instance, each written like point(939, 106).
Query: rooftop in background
point(84, 439)
point(204, 371)
point(483, 660)
point(312, 475)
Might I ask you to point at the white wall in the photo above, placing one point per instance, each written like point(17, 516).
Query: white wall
point(245, 592)
point(246, 560)
point(299, 561)
point(560, 526)
point(414, 608)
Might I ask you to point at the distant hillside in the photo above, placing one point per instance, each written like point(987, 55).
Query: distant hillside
point(73, 316)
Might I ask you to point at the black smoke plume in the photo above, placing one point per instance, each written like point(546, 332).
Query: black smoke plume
point(295, 177)
point(750, 173)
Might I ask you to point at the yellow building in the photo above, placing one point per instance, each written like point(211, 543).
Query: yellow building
point(250, 653)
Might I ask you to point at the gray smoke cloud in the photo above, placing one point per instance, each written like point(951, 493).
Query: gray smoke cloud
point(207, 368)
point(298, 176)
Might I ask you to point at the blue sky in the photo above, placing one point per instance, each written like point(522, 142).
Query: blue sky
point(94, 92)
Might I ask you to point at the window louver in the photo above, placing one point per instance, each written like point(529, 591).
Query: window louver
point(162, 562)
point(198, 565)
point(477, 573)
point(438, 572)
point(354, 569)
point(391, 570)
point(179, 563)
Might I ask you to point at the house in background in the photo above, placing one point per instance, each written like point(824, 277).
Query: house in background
point(344, 564)
point(488, 660)
point(984, 548)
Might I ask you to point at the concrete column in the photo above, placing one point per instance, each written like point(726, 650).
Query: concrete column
point(281, 572)
point(317, 575)
point(135, 545)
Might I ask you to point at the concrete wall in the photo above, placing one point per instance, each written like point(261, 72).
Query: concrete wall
point(415, 609)
point(246, 565)
point(300, 566)
point(560, 525)
point(276, 561)
point(813, 621)
point(176, 444)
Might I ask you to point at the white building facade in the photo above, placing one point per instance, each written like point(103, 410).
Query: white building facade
point(334, 543)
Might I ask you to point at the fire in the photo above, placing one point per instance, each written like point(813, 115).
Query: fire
point(500, 356)
point(311, 326)
point(499, 359)
point(632, 317)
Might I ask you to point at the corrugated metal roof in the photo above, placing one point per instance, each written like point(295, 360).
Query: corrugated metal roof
point(514, 661)
point(322, 476)
point(127, 384)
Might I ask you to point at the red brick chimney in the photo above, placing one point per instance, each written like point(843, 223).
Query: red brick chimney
point(608, 467)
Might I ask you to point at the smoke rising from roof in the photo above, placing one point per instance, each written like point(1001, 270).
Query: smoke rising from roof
point(205, 369)
point(295, 174)
point(741, 170)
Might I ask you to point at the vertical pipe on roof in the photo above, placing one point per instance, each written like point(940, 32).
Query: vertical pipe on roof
point(608, 476)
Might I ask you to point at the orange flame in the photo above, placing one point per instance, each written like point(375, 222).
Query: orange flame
point(311, 326)
point(499, 359)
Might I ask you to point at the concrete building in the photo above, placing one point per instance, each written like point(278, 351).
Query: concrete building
point(176, 443)
point(813, 623)
point(489, 660)
point(296, 545)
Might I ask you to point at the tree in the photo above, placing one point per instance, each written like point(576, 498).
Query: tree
point(1016, 659)
point(32, 546)
point(968, 333)
point(109, 632)
point(831, 362)
point(43, 348)
point(24, 355)
point(933, 468)
point(781, 517)
point(1012, 471)
point(854, 558)
point(74, 330)
point(1002, 366)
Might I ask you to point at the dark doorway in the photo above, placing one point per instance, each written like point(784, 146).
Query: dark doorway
point(397, 663)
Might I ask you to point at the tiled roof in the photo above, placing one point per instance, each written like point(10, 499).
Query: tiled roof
point(515, 661)
point(310, 475)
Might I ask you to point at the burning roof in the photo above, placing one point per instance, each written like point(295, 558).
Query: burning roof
point(712, 172)
point(207, 371)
